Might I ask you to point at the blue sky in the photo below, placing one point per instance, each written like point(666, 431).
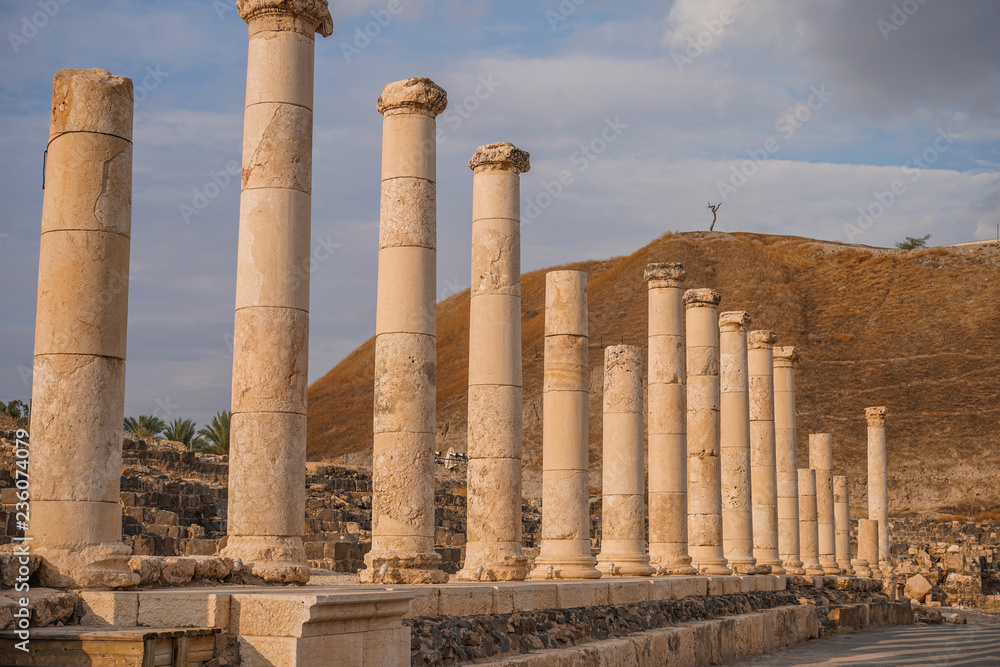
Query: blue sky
point(795, 114)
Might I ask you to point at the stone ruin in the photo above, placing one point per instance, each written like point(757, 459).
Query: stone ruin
point(730, 511)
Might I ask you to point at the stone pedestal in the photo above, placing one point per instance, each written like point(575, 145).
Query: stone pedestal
point(821, 460)
point(623, 518)
point(868, 550)
point(734, 459)
point(878, 479)
point(842, 520)
point(704, 472)
point(565, 544)
point(406, 340)
point(762, 451)
point(668, 531)
point(808, 529)
point(78, 393)
point(493, 550)
point(787, 458)
point(271, 335)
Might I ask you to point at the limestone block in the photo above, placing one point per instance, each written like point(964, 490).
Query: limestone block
point(406, 291)
point(405, 381)
point(566, 363)
point(496, 258)
point(566, 303)
point(492, 484)
point(666, 359)
point(107, 608)
point(74, 524)
point(668, 468)
point(408, 147)
point(670, 414)
point(567, 516)
point(495, 340)
point(496, 199)
point(277, 147)
point(408, 214)
point(405, 462)
point(495, 414)
point(283, 66)
point(88, 185)
point(272, 345)
point(917, 588)
point(466, 600)
point(564, 427)
point(92, 100)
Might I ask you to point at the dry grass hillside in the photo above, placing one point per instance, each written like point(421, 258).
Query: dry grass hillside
point(916, 331)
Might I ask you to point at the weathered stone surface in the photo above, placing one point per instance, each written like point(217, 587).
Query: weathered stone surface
point(501, 155)
point(917, 587)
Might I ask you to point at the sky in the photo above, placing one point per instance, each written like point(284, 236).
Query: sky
point(860, 121)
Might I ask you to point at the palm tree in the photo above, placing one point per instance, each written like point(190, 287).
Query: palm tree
point(144, 427)
point(184, 431)
point(217, 433)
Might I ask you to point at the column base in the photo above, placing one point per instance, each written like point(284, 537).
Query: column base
point(675, 563)
point(792, 565)
point(774, 566)
point(499, 563)
point(276, 560)
point(582, 567)
point(626, 565)
point(861, 568)
point(814, 569)
point(845, 568)
point(716, 568)
point(386, 567)
point(101, 566)
point(829, 566)
point(744, 566)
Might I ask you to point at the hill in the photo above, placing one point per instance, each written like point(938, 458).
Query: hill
point(917, 331)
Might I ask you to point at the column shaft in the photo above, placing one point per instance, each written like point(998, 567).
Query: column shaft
point(808, 528)
point(565, 545)
point(668, 529)
point(842, 519)
point(786, 458)
point(493, 523)
point(406, 340)
point(704, 472)
point(821, 460)
point(623, 519)
point(78, 392)
point(868, 552)
point(878, 480)
point(762, 451)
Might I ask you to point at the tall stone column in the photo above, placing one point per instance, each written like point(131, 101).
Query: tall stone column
point(668, 529)
point(565, 544)
point(623, 518)
point(787, 458)
point(704, 473)
point(762, 450)
point(878, 480)
point(406, 340)
point(842, 518)
point(821, 460)
point(808, 528)
point(734, 445)
point(78, 393)
point(868, 551)
point(494, 474)
point(271, 335)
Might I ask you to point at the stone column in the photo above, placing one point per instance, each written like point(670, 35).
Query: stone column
point(821, 460)
point(734, 445)
point(762, 450)
point(406, 340)
point(842, 519)
point(78, 393)
point(704, 473)
point(878, 480)
point(494, 474)
point(271, 335)
point(623, 519)
point(808, 528)
point(787, 458)
point(668, 529)
point(565, 544)
point(868, 551)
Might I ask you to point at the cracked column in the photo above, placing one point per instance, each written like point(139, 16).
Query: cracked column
point(406, 340)
point(494, 474)
point(842, 519)
point(78, 393)
point(271, 335)
point(623, 518)
point(565, 544)
point(878, 480)
point(821, 460)
point(668, 530)
point(868, 553)
point(762, 450)
point(808, 528)
point(734, 459)
point(787, 458)
point(704, 474)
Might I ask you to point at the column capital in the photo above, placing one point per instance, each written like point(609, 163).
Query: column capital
point(665, 274)
point(761, 339)
point(876, 415)
point(734, 320)
point(313, 12)
point(501, 156)
point(417, 95)
point(701, 297)
point(786, 356)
